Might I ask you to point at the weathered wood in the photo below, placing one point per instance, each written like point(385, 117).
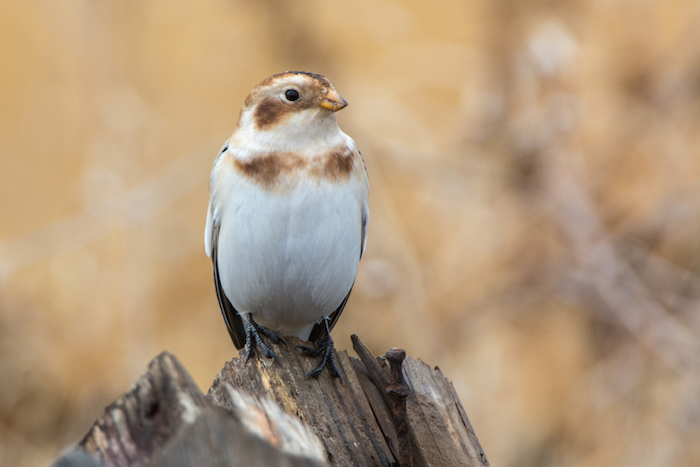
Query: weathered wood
point(398, 391)
point(165, 420)
point(382, 413)
point(338, 411)
point(218, 439)
point(139, 423)
point(265, 413)
point(440, 431)
point(352, 417)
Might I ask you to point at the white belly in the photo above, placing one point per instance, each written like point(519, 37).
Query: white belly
point(290, 258)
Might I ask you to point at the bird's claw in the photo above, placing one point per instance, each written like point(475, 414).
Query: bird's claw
point(273, 336)
point(327, 351)
point(253, 340)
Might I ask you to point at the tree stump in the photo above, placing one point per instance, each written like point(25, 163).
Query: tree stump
point(386, 411)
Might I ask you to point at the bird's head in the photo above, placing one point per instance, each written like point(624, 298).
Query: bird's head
point(290, 107)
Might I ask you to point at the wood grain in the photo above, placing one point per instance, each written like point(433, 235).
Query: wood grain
point(265, 413)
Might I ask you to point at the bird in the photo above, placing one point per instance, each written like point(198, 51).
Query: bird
point(287, 219)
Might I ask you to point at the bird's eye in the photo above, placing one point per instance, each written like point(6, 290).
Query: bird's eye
point(291, 94)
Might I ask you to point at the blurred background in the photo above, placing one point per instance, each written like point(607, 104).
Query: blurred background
point(535, 232)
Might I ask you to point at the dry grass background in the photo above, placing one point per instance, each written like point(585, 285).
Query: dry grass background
point(535, 172)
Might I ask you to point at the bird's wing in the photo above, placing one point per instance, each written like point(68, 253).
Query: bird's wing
point(233, 320)
point(365, 206)
point(319, 329)
point(209, 226)
point(365, 221)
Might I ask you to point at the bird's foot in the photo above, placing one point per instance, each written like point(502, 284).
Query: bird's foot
point(253, 339)
point(327, 352)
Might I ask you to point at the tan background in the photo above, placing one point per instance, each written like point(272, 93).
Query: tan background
point(535, 172)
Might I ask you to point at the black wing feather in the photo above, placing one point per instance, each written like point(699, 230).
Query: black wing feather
point(320, 329)
point(233, 320)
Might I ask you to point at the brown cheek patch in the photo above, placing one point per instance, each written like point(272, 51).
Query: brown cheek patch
point(266, 170)
point(337, 165)
point(268, 112)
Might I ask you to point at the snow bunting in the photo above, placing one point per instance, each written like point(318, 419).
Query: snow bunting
point(287, 219)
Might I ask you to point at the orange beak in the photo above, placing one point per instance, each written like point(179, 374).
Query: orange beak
point(333, 101)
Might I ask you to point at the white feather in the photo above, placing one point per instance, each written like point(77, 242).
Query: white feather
point(290, 256)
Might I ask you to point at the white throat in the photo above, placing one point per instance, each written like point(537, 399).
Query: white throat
point(309, 131)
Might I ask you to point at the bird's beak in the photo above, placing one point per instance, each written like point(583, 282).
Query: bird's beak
point(333, 101)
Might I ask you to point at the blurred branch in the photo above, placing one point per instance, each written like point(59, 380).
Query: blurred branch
point(547, 127)
point(128, 210)
point(677, 288)
point(610, 275)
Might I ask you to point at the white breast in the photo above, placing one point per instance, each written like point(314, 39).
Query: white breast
point(289, 257)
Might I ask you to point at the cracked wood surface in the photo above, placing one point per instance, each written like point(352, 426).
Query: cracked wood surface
point(263, 413)
point(353, 417)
